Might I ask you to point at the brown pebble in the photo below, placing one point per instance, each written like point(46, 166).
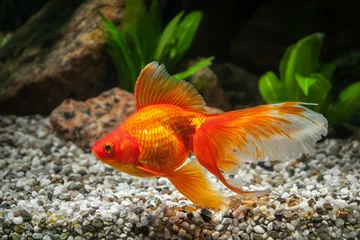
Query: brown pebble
point(314, 173)
point(321, 211)
point(56, 178)
point(166, 191)
point(175, 228)
point(328, 206)
point(36, 188)
point(293, 203)
point(16, 214)
point(274, 234)
point(311, 202)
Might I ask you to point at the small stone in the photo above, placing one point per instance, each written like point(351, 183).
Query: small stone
point(28, 226)
point(37, 236)
point(182, 232)
point(138, 210)
point(321, 211)
point(18, 220)
point(328, 206)
point(15, 236)
point(306, 232)
point(219, 227)
point(235, 230)
point(144, 221)
point(226, 221)
point(25, 215)
point(78, 229)
point(259, 229)
point(19, 229)
point(64, 235)
point(215, 235)
point(97, 222)
point(290, 226)
point(180, 215)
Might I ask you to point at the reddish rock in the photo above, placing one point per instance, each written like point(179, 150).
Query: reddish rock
point(86, 122)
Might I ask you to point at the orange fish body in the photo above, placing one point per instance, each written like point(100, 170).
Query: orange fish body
point(171, 122)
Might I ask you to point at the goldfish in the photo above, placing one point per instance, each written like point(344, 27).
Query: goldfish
point(171, 123)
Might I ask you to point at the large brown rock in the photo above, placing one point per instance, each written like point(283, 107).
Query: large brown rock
point(207, 83)
point(56, 55)
point(86, 122)
point(240, 86)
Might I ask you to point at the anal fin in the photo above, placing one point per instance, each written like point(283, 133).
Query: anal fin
point(192, 182)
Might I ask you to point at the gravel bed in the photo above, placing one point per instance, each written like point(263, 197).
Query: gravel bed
point(50, 189)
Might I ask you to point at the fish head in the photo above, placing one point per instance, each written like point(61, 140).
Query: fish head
point(117, 148)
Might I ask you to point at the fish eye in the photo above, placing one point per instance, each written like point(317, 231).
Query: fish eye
point(108, 147)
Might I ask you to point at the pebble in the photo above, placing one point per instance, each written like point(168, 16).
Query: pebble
point(64, 193)
point(144, 221)
point(259, 229)
point(18, 220)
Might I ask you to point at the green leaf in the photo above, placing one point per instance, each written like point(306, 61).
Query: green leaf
point(184, 36)
point(271, 88)
point(119, 50)
point(305, 82)
point(166, 38)
point(303, 59)
point(285, 61)
point(327, 70)
point(144, 26)
point(317, 88)
point(193, 69)
point(346, 105)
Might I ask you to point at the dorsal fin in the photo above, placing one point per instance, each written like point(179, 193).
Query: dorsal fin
point(155, 86)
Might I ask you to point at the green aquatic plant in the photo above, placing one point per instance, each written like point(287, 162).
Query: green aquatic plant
point(303, 78)
point(142, 40)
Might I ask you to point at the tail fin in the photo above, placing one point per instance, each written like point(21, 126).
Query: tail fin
point(269, 132)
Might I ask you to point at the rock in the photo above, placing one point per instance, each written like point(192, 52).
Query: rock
point(86, 122)
point(207, 83)
point(55, 55)
point(241, 86)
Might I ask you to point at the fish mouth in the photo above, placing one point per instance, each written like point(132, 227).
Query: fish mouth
point(95, 155)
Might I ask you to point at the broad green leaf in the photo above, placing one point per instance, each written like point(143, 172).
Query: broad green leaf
point(184, 36)
point(327, 70)
point(193, 69)
point(305, 82)
point(285, 61)
point(166, 38)
point(303, 59)
point(271, 88)
point(318, 91)
point(347, 104)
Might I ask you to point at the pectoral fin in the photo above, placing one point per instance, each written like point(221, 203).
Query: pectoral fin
point(191, 180)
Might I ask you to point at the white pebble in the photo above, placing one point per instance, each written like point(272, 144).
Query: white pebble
point(18, 220)
point(259, 229)
point(290, 226)
point(144, 221)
